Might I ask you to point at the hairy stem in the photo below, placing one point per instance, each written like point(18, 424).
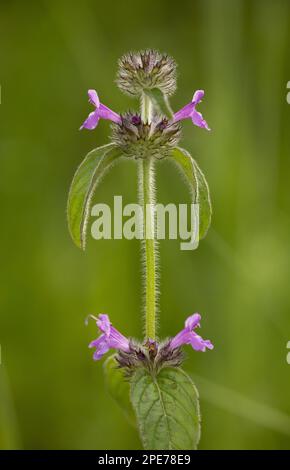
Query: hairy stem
point(146, 108)
point(147, 200)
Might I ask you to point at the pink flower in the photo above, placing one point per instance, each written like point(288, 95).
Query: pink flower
point(109, 339)
point(101, 112)
point(189, 111)
point(188, 335)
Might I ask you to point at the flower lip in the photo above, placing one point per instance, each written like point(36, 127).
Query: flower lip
point(93, 98)
point(197, 97)
point(193, 321)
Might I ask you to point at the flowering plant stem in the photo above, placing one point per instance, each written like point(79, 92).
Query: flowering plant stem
point(147, 201)
point(160, 394)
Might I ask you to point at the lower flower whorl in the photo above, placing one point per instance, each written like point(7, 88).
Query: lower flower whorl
point(140, 139)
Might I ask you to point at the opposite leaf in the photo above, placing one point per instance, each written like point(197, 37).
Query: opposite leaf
point(167, 409)
point(160, 101)
point(198, 186)
point(118, 387)
point(85, 181)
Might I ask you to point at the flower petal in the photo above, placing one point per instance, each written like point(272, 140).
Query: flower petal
point(101, 346)
point(98, 354)
point(117, 341)
point(92, 121)
point(96, 342)
point(193, 321)
point(104, 323)
point(93, 98)
point(106, 113)
point(197, 97)
point(208, 344)
point(198, 343)
point(184, 112)
point(198, 120)
point(183, 337)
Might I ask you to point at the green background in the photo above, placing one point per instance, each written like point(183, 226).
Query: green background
point(51, 391)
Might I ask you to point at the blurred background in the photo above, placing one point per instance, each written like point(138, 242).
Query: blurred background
point(52, 393)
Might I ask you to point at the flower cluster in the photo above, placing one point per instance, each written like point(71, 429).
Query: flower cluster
point(137, 73)
point(151, 354)
point(141, 140)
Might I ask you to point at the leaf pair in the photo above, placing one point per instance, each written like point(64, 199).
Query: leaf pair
point(166, 405)
point(99, 161)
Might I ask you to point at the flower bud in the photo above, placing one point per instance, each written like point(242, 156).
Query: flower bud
point(146, 70)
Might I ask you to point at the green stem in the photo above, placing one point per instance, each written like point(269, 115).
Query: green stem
point(146, 108)
point(147, 199)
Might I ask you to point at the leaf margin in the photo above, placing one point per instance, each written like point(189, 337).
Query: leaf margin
point(104, 161)
point(123, 403)
point(144, 438)
point(160, 101)
point(199, 183)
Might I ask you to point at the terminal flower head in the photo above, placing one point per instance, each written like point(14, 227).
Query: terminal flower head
point(146, 69)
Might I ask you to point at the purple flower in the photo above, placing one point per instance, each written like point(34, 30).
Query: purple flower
point(101, 112)
point(188, 336)
point(189, 111)
point(110, 338)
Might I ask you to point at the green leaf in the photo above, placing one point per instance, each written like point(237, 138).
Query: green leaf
point(198, 186)
point(167, 409)
point(85, 181)
point(119, 387)
point(160, 101)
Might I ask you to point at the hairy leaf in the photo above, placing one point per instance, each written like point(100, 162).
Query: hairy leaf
point(85, 181)
point(160, 101)
point(167, 409)
point(119, 387)
point(198, 186)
